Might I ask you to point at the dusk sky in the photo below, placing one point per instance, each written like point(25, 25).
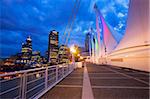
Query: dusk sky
point(20, 18)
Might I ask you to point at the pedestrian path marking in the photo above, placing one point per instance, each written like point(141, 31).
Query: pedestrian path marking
point(87, 92)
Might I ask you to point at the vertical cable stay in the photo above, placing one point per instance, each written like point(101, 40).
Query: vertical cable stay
point(74, 16)
point(69, 20)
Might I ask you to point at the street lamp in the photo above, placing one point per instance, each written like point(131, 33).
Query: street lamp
point(73, 51)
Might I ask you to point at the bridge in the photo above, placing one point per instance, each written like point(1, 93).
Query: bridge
point(116, 69)
point(76, 81)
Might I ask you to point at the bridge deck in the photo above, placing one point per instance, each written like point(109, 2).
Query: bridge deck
point(106, 82)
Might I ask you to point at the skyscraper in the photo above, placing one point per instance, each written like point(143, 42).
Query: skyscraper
point(26, 50)
point(87, 42)
point(53, 47)
point(64, 54)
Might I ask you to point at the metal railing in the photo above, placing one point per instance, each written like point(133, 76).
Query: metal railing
point(33, 83)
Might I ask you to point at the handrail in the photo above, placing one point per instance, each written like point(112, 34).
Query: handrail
point(33, 79)
point(24, 71)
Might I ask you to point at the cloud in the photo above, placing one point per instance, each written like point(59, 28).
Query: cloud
point(120, 15)
point(124, 3)
point(78, 28)
point(120, 25)
point(85, 31)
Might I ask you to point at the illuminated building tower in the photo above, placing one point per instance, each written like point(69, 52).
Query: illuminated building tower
point(29, 43)
point(46, 54)
point(64, 54)
point(19, 58)
point(87, 41)
point(36, 57)
point(53, 47)
point(26, 50)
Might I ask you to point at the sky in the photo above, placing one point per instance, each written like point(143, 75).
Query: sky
point(21, 18)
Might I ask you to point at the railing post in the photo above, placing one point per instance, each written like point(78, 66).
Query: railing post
point(56, 73)
point(46, 77)
point(63, 70)
point(20, 88)
point(74, 66)
point(24, 86)
point(69, 68)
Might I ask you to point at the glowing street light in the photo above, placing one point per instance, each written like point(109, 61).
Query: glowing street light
point(78, 55)
point(81, 57)
point(72, 49)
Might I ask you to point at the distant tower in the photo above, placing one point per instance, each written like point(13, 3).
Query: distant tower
point(87, 42)
point(27, 50)
point(53, 47)
point(29, 43)
point(63, 54)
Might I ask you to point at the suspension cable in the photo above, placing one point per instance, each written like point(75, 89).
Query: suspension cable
point(70, 29)
point(69, 20)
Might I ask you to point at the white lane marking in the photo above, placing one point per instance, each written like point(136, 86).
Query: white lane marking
point(147, 83)
point(120, 87)
point(87, 92)
point(75, 86)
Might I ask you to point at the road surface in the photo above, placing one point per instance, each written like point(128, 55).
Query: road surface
point(102, 82)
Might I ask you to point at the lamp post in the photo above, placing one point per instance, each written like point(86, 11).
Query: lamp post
point(73, 51)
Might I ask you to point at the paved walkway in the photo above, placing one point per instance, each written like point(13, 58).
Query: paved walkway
point(102, 82)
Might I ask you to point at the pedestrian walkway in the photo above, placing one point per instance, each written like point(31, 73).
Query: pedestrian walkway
point(69, 88)
point(102, 82)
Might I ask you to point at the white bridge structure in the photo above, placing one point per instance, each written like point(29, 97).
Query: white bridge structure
point(133, 50)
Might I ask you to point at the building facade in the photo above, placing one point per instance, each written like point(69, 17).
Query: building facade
point(36, 57)
point(64, 55)
point(53, 47)
point(87, 42)
point(26, 51)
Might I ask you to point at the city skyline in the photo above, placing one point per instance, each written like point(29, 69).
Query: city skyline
point(28, 18)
